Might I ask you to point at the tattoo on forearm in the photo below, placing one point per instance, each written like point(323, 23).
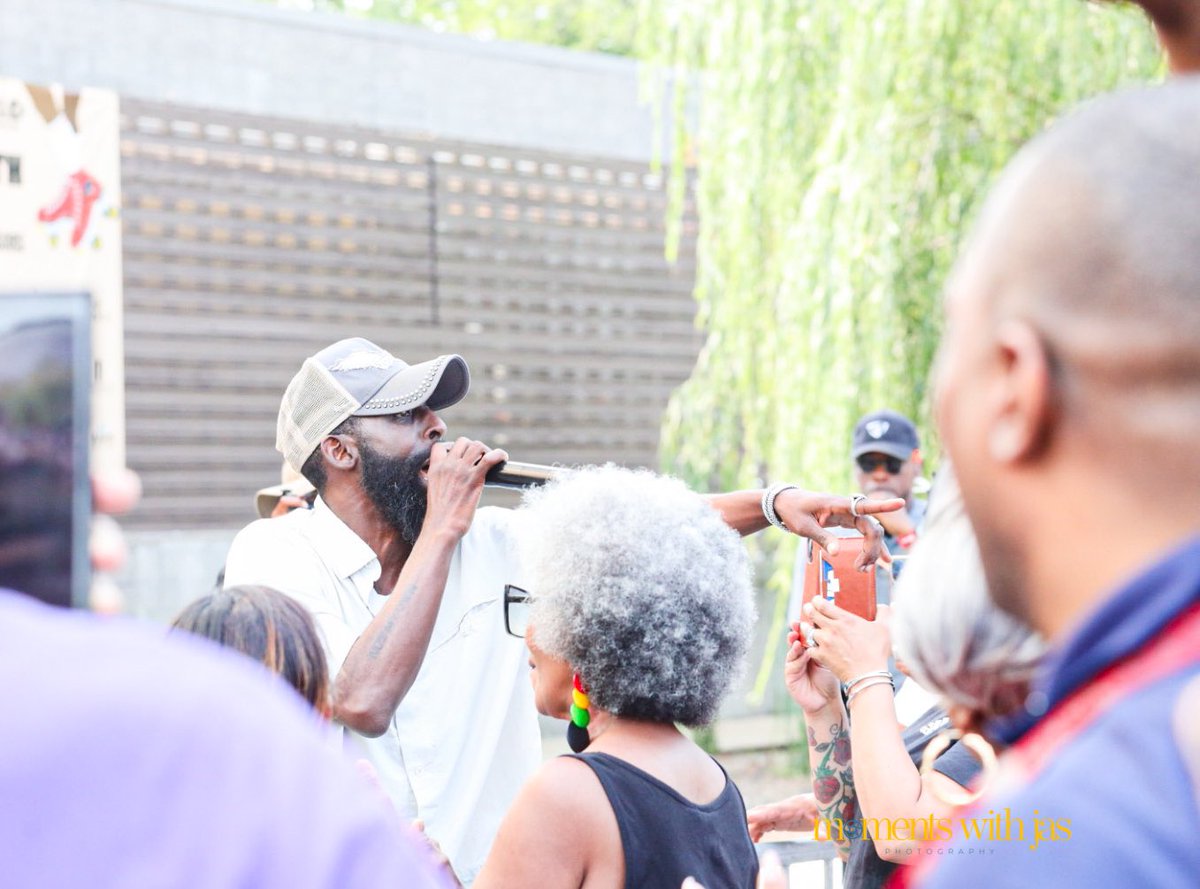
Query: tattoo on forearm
point(833, 786)
point(385, 632)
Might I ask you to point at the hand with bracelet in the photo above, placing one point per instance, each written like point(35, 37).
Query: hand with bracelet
point(808, 514)
point(847, 645)
point(862, 760)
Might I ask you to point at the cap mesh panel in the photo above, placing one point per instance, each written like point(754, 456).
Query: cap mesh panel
point(313, 406)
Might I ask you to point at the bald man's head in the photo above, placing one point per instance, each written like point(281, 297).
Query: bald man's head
point(1093, 237)
point(1169, 15)
point(1071, 360)
point(1178, 25)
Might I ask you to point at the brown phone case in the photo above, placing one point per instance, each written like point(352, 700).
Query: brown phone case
point(836, 579)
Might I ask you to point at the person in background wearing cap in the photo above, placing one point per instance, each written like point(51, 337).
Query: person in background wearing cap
point(404, 577)
point(294, 491)
point(886, 451)
point(887, 460)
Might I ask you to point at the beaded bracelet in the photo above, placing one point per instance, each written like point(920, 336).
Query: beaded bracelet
point(768, 504)
point(877, 681)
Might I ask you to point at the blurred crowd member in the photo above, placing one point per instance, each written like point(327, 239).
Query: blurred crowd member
point(640, 611)
point(1177, 23)
point(294, 491)
point(948, 634)
point(271, 628)
point(276, 631)
point(405, 578)
point(144, 760)
point(1068, 393)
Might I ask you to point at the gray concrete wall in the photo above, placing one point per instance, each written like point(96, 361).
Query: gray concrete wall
point(252, 57)
point(168, 569)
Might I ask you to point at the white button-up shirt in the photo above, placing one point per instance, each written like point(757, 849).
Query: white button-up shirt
point(465, 737)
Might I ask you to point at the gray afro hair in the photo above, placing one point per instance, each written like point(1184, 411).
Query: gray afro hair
point(640, 586)
point(950, 635)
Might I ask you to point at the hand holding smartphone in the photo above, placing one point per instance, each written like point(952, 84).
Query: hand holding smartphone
point(834, 578)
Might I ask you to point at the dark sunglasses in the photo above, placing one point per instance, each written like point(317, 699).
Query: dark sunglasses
point(871, 462)
point(516, 610)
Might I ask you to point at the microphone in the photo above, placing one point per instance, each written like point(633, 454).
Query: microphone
point(518, 476)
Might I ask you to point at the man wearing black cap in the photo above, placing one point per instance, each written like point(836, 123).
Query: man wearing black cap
point(404, 577)
point(887, 460)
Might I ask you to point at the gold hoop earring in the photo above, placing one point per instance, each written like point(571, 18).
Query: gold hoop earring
point(982, 750)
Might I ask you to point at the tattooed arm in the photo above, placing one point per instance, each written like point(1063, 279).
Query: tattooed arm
point(890, 789)
point(383, 662)
point(385, 659)
point(817, 692)
point(832, 776)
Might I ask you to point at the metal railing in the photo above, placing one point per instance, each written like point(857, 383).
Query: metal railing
point(796, 851)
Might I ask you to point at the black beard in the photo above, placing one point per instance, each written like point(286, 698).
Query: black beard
point(395, 486)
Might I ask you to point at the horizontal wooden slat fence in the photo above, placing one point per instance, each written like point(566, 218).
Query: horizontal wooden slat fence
point(252, 242)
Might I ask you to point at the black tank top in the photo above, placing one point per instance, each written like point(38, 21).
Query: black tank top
point(667, 837)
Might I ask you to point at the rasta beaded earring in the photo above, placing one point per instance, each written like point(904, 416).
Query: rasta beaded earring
point(577, 733)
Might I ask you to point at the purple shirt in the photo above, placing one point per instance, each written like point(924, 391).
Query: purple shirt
point(1121, 784)
point(130, 759)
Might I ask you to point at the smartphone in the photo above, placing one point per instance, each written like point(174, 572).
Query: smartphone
point(45, 488)
point(834, 577)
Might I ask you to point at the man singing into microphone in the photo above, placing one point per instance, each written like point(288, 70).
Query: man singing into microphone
point(405, 577)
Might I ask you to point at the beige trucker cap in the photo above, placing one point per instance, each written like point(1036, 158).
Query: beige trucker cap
point(356, 378)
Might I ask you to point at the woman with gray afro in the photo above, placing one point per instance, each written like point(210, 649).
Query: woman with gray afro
point(638, 614)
